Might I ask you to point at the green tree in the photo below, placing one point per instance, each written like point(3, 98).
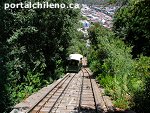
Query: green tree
point(33, 48)
point(5, 29)
point(132, 24)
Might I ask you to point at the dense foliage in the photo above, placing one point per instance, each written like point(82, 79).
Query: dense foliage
point(121, 76)
point(125, 79)
point(77, 45)
point(34, 44)
point(5, 100)
point(33, 49)
point(110, 59)
point(132, 24)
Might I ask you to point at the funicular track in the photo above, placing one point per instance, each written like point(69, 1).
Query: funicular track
point(87, 103)
point(54, 94)
point(73, 94)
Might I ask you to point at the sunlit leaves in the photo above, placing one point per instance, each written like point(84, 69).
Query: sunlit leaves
point(131, 23)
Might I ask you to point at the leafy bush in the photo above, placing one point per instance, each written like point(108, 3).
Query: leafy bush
point(142, 93)
point(33, 49)
point(77, 45)
point(125, 79)
point(131, 23)
point(111, 61)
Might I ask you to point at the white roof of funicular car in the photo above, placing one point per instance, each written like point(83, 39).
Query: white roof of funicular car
point(75, 57)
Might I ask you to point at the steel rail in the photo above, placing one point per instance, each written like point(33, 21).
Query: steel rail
point(50, 97)
point(97, 109)
point(59, 84)
point(92, 90)
point(32, 108)
point(79, 108)
point(61, 93)
point(66, 93)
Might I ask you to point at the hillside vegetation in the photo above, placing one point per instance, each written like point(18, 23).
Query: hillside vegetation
point(33, 49)
point(120, 58)
point(34, 44)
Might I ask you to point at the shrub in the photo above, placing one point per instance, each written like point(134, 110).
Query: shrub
point(112, 63)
